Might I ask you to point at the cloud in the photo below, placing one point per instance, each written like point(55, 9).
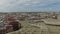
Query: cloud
point(28, 5)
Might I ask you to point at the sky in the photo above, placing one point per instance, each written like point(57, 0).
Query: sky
point(29, 5)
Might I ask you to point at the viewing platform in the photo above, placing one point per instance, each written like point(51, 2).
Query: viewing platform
point(52, 22)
